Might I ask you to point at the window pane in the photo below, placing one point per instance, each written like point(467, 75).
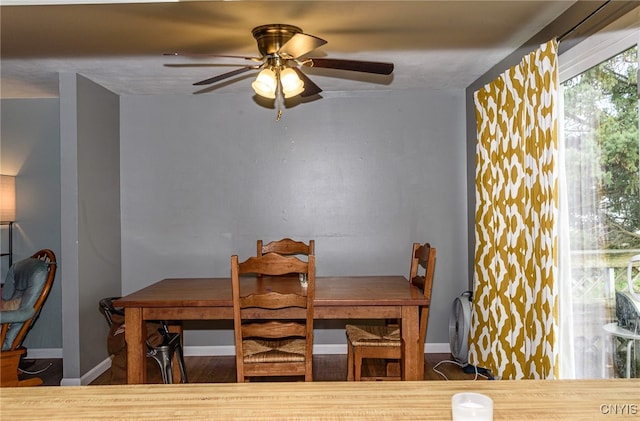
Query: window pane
point(603, 183)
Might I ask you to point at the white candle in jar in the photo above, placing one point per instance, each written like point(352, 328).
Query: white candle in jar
point(470, 406)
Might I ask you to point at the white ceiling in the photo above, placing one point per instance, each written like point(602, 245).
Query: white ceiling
point(432, 43)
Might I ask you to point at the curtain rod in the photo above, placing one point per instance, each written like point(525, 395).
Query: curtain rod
point(575, 27)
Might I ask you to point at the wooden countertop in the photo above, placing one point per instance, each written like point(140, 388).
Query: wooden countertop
point(513, 400)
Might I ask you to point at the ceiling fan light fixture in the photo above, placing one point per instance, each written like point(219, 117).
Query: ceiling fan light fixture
point(283, 54)
point(292, 85)
point(265, 84)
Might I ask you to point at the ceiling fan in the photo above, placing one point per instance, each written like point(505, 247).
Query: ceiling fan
point(283, 50)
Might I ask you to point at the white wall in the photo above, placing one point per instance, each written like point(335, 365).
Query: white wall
point(365, 174)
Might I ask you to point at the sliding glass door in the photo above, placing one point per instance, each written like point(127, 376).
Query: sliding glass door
point(602, 208)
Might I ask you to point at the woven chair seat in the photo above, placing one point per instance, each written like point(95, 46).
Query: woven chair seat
point(264, 350)
point(373, 335)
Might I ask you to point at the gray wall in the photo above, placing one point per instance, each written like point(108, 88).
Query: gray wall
point(98, 214)
point(90, 219)
point(197, 178)
point(365, 174)
point(29, 149)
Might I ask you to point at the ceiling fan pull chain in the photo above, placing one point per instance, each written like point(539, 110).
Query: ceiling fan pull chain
point(279, 96)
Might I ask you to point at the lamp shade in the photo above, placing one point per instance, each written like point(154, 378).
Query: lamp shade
point(265, 84)
point(7, 198)
point(291, 83)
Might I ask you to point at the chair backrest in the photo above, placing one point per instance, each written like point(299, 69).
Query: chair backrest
point(29, 281)
point(108, 310)
point(287, 247)
point(423, 264)
point(250, 322)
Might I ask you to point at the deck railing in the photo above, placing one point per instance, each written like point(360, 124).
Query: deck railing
point(596, 275)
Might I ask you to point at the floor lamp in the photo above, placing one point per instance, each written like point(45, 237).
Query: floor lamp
point(8, 209)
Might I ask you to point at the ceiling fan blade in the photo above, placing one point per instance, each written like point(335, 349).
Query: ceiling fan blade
point(300, 44)
point(352, 65)
point(310, 88)
point(225, 76)
point(207, 55)
point(203, 65)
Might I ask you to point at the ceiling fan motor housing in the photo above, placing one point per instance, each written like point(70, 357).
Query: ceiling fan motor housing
point(271, 37)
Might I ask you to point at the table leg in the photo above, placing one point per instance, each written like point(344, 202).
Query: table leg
point(177, 328)
point(629, 346)
point(136, 353)
point(409, 331)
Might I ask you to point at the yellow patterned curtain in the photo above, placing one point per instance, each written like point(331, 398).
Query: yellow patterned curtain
point(514, 314)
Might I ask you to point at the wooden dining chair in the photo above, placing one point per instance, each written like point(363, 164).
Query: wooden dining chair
point(269, 339)
point(383, 341)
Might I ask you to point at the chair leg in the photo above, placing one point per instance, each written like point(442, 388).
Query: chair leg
point(9, 367)
point(349, 362)
point(357, 362)
point(165, 354)
point(167, 368)
point(393, 369)
point(183, 369)
point(36, 381)
point(163, 358)
point(9, 363)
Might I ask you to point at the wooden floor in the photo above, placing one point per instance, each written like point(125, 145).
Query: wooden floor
point(222, 369)
point(49, 370)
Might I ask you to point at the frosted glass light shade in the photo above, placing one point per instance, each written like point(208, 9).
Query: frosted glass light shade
point(291, 83)
point(7, 198)
point(265, 84)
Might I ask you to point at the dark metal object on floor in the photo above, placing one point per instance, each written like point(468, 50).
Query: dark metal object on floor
point(162, 352)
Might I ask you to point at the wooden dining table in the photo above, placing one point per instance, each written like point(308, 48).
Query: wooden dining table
point(565, 400)
point(336, 297)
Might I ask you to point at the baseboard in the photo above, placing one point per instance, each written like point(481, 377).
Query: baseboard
point(318, 349)
point(199, 351)
point(44, 353)
point(229, 350)
point(89, 376)
point(95, 372)
point(70, 382)
point(209, 351)
point(222, 350)
point(438, 348)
